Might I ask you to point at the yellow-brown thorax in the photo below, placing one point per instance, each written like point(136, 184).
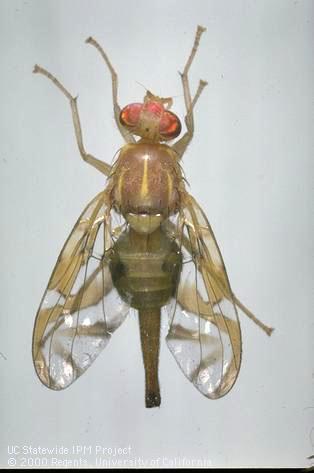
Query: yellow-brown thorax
point(145, 184)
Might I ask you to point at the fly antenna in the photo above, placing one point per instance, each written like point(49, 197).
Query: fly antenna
point(142, 86)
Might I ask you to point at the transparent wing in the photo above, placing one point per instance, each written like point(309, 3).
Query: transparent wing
point(204, 335)
point(80, 308)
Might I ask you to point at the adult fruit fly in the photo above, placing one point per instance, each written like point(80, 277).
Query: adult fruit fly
point(142, 243)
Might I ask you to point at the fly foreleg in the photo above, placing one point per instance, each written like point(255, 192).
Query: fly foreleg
point(114, 80)
point(180, 146)
point(97, 163)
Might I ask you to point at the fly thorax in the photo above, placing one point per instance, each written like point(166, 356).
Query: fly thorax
point(145, 184)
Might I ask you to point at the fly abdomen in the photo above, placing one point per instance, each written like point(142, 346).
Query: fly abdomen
point(145, 268)
point(149, 321)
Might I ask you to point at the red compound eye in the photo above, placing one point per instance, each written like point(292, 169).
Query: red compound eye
point(129, 115)
point(170, 126)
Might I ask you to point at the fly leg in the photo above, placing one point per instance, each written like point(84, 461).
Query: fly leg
point(180, 146)
point(114, 80)
point(97, 163)
point(191, 300)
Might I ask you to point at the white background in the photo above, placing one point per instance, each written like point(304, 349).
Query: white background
point(250, 166)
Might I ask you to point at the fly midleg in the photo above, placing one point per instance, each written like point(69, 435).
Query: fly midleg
point(145, 269)
point(90, 159)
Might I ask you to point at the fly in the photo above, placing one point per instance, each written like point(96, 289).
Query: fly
point(142, 243)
